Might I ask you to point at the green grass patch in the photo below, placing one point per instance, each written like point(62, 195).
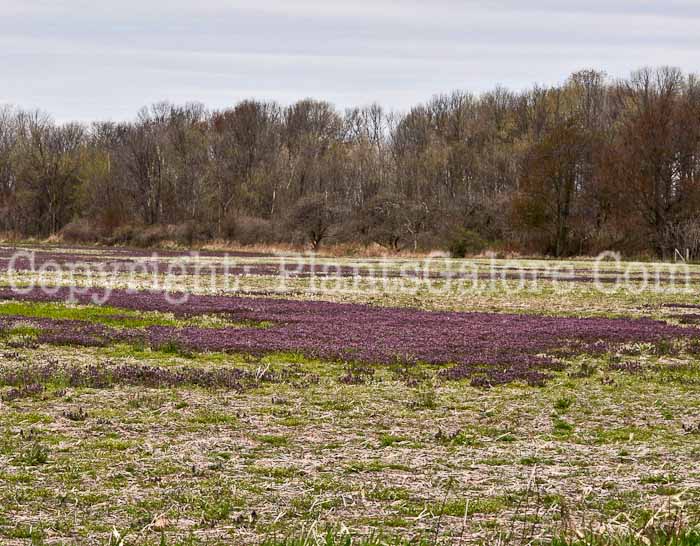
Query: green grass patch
point(562, 428)
point(117, 317)
point(375, 466)
point(35, 455)
point(211, 417)
point(459, 507)
point(273, 440)
point(622, 435)
point(388, 440)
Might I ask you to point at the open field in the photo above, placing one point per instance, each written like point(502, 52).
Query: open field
point(426, 401)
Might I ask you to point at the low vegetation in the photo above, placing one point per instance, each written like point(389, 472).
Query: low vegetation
point(250, 427)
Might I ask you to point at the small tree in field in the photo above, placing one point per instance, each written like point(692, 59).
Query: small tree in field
point(381, 221)
point(313, 216)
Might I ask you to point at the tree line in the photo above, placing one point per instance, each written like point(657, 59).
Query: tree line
point(588, 165)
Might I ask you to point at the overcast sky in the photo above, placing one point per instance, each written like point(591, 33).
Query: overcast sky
point(104, 59)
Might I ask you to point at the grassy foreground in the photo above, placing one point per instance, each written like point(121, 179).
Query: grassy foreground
point(305, 451)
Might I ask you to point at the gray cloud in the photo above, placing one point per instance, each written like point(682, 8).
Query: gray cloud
point(87, 60)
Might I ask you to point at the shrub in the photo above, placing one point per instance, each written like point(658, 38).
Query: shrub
point(190, 232)
point(80, 231)
point(141, 236)
point(227, 227)
point(250, 230)
point(465, 243)
point(123, 234)
point(151, 236)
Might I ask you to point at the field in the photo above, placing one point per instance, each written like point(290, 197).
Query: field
point(303, 400)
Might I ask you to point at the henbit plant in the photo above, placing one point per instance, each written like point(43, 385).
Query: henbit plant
point(486, 348)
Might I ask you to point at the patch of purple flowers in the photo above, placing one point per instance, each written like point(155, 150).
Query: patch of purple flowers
point(490, 348)
point(29, 379)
